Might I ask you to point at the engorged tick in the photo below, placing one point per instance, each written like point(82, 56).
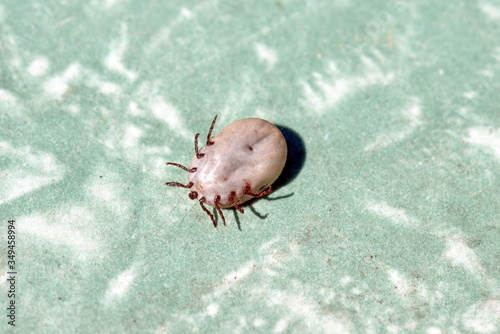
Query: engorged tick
point(238, 164)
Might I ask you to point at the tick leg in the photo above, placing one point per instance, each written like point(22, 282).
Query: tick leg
point(232, 201)
point(209, 142)
point(261, 194)
point(198, 154)
point(192, 170)
point(216, 201)
point(202, 199)
point(177, 184)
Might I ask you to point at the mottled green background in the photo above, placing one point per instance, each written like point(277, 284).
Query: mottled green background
point(387, 219)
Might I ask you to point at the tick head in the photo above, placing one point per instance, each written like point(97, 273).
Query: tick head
point(193, 195)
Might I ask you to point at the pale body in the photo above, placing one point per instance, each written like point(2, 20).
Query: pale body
point(246, 156)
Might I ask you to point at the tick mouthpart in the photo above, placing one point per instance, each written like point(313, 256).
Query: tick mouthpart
point(193, 195)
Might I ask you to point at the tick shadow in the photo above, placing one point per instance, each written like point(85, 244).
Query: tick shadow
point(235, 214)
point(254, 211)
point(294, 161)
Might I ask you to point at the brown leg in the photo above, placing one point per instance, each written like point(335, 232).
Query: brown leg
point(208, 212)
point(262, 194)
point(177, 184)
point(192, 170)
point(198, 154)
point(232, 201)
point(209, 142)
point(216, 201)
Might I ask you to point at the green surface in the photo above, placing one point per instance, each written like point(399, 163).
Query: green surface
point(387, 219)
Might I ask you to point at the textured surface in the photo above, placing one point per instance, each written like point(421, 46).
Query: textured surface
point(387, 220)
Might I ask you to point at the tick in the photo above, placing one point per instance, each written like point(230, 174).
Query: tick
point(238, 164)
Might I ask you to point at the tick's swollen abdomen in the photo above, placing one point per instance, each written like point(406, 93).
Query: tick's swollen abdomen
point(250, 152)
point(238, 164)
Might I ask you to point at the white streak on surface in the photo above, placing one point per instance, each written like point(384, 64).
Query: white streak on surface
point(483, 317)
point(412, 116)
point(102, 192)
point(104, 87)
point(186, 13)
point(305, 309)
point(62, 229)
point(397, 216)
point(489, 138)
point(119, 285)
point(269, 260)
point(38, 67)
point(7, 97)
point(56, 86)
point(73, 108)
point(212, 309)
point(110, 3)
point(280, 326)
point(233, 277)
point(334, 87)
point(345, 280)
point(470, 95)
point(167, 113)
point(133, 109)
point(460, 254)
point(114, 59)
point(258, 322)
point(132, 136)
point(491, 11)
point(28, 171)
point(401, 285)
point(266, 54)
point(433, 330)
point(160, 39)
point(268, 244)
point(19, 184)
